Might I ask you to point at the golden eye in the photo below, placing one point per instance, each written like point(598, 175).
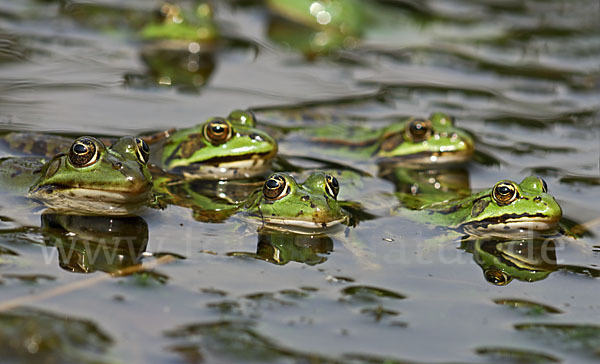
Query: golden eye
point(217, 131)
point(275, 187)
point(419, 130)
point(83, 152)
point(504, 193)
point(332, 185)
point(497, 277)
point(142, 150)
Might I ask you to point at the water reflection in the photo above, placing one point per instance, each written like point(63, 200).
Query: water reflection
point(414, 187)
point(279, 247)
point(527, 260)
point(210, 201)
point(89, 243)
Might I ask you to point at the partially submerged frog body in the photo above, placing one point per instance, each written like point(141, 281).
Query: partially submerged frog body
point(315, 27)
point(209, 201)
point(414, 186)
point(218, 149)
point(284, 204)
point(177, 22)
point(89, 179)
point(412, 143)
point(180, 46)
point(89, 243)
point(507, 209)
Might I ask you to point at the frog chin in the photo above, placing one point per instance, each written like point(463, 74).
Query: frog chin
point(301, 226)
point(514, 228)
point(87, 201)
point(227, 170)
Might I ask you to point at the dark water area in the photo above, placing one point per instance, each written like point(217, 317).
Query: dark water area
point(522, 77)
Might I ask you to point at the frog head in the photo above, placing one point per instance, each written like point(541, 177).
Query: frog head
point(93, 179)
point(311, 205)
point(511, 208)
point(424, 142)
point(219, 149)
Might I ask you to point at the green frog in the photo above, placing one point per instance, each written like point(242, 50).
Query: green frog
point(316, 27)
point(219, 149)
point(180, 46)
point(87, 179)
point(507, 209)
point(410, 143)
point(284, 204)
point(280, 203)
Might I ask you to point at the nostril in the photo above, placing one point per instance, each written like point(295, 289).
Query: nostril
point(118, 165)
point(537, 199)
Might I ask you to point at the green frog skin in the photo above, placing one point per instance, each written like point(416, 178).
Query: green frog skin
point(506, 209)
point(411, 143)
point(285, 204)
point(218, 149)
point(316, 27)
point(89, 179)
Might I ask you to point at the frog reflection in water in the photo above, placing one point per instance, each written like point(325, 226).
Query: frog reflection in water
point(506, 209)
point(89, 179)
point(89, 243)
point(527, 260)
point(219, 149)
point(280, 247)
point(412, 143)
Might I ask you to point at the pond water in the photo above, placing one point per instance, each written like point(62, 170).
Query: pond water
point(522, 77)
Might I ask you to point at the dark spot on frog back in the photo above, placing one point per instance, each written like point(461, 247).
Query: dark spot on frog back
point(192, 143)
point(478, 207)
point(391, 142)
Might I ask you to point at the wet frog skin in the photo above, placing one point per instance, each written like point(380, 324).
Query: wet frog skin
point(316, 27)
point(89, 179)
point(410, 143)
point(285, 204)
point(506, 209)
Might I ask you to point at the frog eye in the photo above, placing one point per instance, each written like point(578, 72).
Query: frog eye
point(275, 187)
point(419, 130)
point(332, 186)
point(217, 131)
point(142, 150)
point(83, 152)
point(544, 185)
point(504, 193)
point(497, 277)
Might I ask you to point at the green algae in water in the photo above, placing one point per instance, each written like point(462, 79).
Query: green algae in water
point(33, 336)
